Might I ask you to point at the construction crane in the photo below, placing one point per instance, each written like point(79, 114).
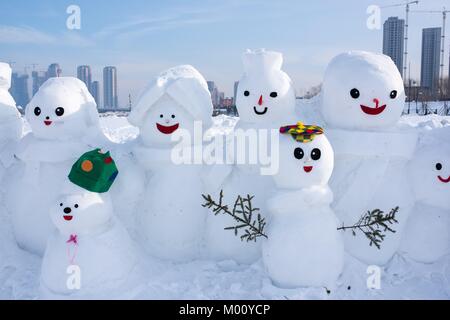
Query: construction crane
point(441, 69)
point(406, 4)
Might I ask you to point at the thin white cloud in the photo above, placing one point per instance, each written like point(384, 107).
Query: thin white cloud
point(75, 39)
point(27, 35)
point(174, 18)
point(17, 35)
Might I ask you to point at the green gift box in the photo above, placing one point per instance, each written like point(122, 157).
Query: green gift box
point(94, 171)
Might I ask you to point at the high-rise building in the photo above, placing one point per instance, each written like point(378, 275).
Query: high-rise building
point(19, 89)
point(54, 71)
point(236, 85)
point(214, 93)
point(38, 79)
point(85, 75)
point(393, 40)
point(448, 78)
point(431, 47)
point(110, 96)
point(95, 91)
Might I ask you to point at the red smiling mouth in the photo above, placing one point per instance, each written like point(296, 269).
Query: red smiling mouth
point(48, 122)
point(68, 218)
point(308, 168)
point(444, 180)
point(373, 111)
point(167, 129)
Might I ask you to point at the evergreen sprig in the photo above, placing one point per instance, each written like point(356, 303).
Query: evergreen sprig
point(243, 213)
point(374, 224)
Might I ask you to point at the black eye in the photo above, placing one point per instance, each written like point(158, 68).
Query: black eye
point(161, 116)
point(298, 153)
point(354, 93)
point(315, 154)
point(173, 116)
point(438, 166)
point(61, 204)
point(273, 94)
point(393, 94)
point(59, 111)
point(246, 93)
point(37, 111)
point(76, 205)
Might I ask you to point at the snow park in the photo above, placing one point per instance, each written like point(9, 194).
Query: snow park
point(320, 170)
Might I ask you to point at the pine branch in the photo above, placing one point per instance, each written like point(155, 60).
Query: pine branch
point(243, 213)
point(374, 224)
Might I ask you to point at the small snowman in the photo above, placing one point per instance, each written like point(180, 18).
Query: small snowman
point(427, 234)
point(362, 100)
point(90, 254)
point(10, 121)
point(64, 122)
point(169, 217)
point(265, 100)
point(304, 247)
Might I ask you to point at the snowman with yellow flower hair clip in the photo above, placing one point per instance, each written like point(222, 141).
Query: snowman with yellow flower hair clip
point(304, 247)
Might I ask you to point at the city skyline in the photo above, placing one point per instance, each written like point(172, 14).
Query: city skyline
point(208, 35)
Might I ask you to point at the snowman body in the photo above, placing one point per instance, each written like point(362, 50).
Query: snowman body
point(169, 217)
point(304, 247)
point(92, 244)
point(10, 122)
point(370, 153)
point(427, 234)
point(265, 100)
point(64, 123)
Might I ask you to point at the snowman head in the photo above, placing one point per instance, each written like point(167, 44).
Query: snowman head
point(81, 212)
point(164, 118)
point(173, 101)
point(265, 94)
point(306, 157)
point(62, 109)
point(362, 90)
point(430, 174)
point(5, 76)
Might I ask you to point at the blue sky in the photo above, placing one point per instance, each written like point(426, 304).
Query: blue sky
point(143, 38)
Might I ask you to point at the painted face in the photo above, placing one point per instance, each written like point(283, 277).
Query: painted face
point(265, 93)
point(53, 114)
point(430, 172)
point(362, 90)
point(304, 164)
point(81, 213)
point(164, 118)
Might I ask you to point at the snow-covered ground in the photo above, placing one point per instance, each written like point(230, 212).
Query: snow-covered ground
point(400, 279)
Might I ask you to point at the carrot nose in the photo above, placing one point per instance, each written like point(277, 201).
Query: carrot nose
point(377, 102)
point(260, 102)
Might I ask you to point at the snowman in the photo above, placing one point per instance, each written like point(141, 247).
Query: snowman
point(427, 234)
point(169, 216)
point(265, 100)
point(362, 100)
point(90, 254)
point(64, 122)
point(304, 247)
point(10, 121)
